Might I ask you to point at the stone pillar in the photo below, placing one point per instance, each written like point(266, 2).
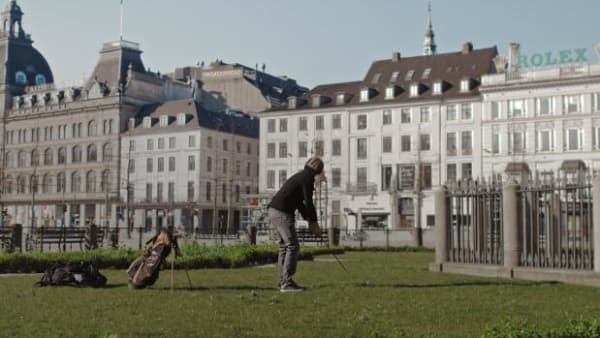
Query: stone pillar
point(82, 215)
point(596, 224)
point(511, 231)
point(441, 226)
point(113, 215)
point(67, 216)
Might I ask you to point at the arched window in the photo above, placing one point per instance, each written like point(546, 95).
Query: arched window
point(75, 182)
point(8, 185)
point(62, 155)
point(20, 185)
point(61, 183)
point(48, 157)
point(35, 158)
point(110, 126)
point(92, 128)
point(47, 184)
point(22, 160)
point(8, 159)
point(40, 80)
point(33, 184)
point(21, 77)
point(90, 182)
point(107, 152)
point(105, 181)
point(76, 154)
point(92, 153)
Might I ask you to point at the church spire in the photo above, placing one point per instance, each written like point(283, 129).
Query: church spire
point(429, 46)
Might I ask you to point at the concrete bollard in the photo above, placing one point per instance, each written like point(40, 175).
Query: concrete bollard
point(441, 226)
point(511, 229)
point(596, 220)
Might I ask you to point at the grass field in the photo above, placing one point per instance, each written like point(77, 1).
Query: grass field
point(385, 295)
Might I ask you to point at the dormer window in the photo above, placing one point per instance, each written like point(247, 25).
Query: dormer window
point(316, 100)
point(414, 90)
point(164, 121)
point(292, 102)
point(181, 119)
point(40, 80)
point(426, 73)
point(21, 78)
point(131, 123)
point(437, 88)
point(394, 77)
point(340, 99)
point(390, 93)
point(465, 85)
point(409, 75)
point(364, 95)
point(147, 122)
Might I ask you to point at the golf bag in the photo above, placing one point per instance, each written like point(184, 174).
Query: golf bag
point(144, 271)
point(72, 274)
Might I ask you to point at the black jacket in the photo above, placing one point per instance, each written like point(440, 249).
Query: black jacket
point(297, 193)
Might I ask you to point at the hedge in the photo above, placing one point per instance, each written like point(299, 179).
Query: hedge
point(194, 256)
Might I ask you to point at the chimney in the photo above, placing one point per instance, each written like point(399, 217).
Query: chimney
point(395, 56)
point(513, 57)
point(467, 48)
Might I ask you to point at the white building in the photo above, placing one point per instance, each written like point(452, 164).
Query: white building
point(414, 117)
point(183, 164)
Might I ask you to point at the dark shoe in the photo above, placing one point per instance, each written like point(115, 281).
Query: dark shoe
point(291, 286)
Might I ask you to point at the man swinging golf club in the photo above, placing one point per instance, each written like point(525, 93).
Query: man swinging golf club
point(295, 194)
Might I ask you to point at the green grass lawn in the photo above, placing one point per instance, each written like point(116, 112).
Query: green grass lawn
point(385, 295)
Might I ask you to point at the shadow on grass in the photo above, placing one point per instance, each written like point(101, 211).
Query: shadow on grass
point(215, 288)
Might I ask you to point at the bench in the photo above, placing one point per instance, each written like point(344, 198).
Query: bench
point(199, 235)
point(60, 236)
point(305, 236)
point(6, 239)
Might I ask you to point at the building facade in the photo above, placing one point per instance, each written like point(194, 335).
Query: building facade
point(184, 164)
point(387, 140)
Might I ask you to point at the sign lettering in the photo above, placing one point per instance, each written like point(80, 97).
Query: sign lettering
point(565, 56)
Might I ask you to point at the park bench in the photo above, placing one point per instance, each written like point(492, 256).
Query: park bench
point(199, 235)
point(305, 236)
point(60, 236)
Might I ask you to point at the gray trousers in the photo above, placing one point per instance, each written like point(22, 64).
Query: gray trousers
point(288, 244)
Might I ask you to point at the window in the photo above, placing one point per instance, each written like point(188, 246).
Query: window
point(425, 114)
point(361, 151)
point(414, 90)
point(159, 192)
point(405, 143)
point(572, 104)
point(361, 178)
point(451, 172)
point(336, 121)
point(131, 145)
point(426, 73)
point(22, 159)
point(516, 108)
point(224, 166)
point(271, 125)
point(164, 121)
point(209, 142)
point(76, 154)
point(181, 119)
point(340, 99)
point(92, 153)
point(336, 148)
point(35, 158)
point(302, 149)
point(437, 88)
point(191, 162)
point(390, 93)
point(375, 79)
point(150, 144)
point(544, 106)
point(405, 115)
point(409, 75)
point(107, 152)
point(238, 168)
point(425, 142)
point(426, 174)
point(283, 125)
point(161, 164)
point(319, 148)
point(451, 112)
point(149, 165)
point(596, 102)
point(386, 177)
point(282, 177)
point(270, 179)
point(283, 150)
point(319, 123)
point(237, 192)
point(387, 117)
point(90, 182)
point(545, 141)
point(336, 177)
point(466, 171)
point(361, 122)
point(62, 155)
point(171, 193)
point(406, 177)
point(92, 129)
point(209, 164)
point(248, 169)
point(596, 138)
point(302, 123)
point(495, 110)
point(238, 147)
point(21, 77)
point(75, 183)
point(451, 144)
point(466, 142)
point(40, 80)
point(61, 182)
point(191, 141)
point(466, 111)
point(249, 148)
point(387, 144)
point(496, 143)
point(364, 95)
point(518, 142)
point(131, 166)
point(573, 139)
point(270, 150)
point(394, 77)
point(465, 85)
point(225, 145)
point(208, 191)
point(190, 191)
point(48, 157)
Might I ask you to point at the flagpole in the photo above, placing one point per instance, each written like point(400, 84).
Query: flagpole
point(121, 19)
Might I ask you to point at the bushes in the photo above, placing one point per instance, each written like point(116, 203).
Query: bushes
point(194, 256)
point(575, 328)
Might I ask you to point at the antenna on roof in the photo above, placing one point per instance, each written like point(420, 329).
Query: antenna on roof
point(121, 36)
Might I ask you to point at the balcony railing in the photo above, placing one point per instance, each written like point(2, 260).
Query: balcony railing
point(361, 188)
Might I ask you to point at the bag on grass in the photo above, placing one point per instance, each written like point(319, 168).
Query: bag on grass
point(144, 270)
point(72, 274)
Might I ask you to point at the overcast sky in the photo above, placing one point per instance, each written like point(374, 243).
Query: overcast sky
point(313, 41)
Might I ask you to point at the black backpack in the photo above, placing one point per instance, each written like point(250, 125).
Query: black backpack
point(72, 274)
